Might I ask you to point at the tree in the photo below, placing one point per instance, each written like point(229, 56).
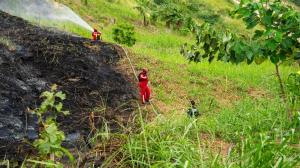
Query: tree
point(277, 38)
point(172, 14)
point(143, 8)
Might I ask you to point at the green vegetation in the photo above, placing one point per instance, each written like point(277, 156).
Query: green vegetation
point(277, 40)
point(166, 144)
point(143, 8)
point(6, 42)
point(50, 138)
point(293, 90)
point(124, 34)
point(243, 121)
point(296, 2)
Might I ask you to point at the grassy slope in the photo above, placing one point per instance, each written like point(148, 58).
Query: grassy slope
point(159, 47)
point(230, 97)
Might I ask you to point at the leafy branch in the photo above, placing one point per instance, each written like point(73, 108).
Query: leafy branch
point(50, 137)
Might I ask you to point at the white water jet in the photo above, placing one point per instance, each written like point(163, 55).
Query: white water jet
point(42, 10)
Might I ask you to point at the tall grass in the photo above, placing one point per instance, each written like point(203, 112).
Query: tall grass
point(170, 142)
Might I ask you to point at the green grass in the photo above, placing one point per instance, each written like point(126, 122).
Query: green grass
point(6, 42)
point(167, 143)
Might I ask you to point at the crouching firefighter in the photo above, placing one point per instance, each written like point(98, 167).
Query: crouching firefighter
point(144, 88)
point(96, 35)
point(193, 111)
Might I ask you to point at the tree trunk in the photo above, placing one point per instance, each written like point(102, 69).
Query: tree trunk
point(145, 21)
point(282, 91)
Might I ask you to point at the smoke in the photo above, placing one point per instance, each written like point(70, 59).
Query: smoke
point(42, 10)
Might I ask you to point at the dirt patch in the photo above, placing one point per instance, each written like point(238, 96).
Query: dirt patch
point(88, 73)
point(225, 95)
point(216, 145)
point(257, 93)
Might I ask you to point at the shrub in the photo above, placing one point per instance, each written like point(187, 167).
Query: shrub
point(124, 34)
point(51, 138)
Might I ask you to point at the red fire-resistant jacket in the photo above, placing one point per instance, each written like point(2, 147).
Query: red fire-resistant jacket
point(143, 79)
point(95, 34)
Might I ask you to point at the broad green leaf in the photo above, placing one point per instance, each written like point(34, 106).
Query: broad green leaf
point(274, 59)
point(251, 21)
point(44, 147)
point(53, 138)
point(68, 112)
point(278, 37)
point(258, 34)
point(282, 57)
point(239, 48)
point(60, 95)
point(271, 44)
point(267, 20)
point(43, 107)
point(244, 12)
point(50, 129)
point(287, 43)
point(268, 32)
point(47, 94)
point(249, 54)
point(59, 106)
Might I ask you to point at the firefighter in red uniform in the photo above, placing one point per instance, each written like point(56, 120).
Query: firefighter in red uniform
point(143, 84)
point(96, 35)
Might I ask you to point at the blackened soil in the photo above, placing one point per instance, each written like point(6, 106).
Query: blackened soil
point(34, 58)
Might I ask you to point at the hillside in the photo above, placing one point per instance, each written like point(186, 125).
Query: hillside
point(158, 49)
point(234, 100)
point(243, 120)
point(86, 72)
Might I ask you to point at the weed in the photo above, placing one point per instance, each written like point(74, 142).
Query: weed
point(8, 43)
point(50, 139)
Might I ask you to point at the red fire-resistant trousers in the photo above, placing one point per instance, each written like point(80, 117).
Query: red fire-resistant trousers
point(144, 92)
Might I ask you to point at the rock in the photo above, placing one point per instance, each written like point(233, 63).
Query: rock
point(73, 140)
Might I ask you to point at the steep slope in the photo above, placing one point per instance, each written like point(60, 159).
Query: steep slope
point(32, 59)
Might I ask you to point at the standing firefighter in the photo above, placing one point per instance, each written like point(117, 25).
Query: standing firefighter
point(143, 84)
point(96, 35)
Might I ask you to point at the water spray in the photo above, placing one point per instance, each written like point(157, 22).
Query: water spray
point(42, 10)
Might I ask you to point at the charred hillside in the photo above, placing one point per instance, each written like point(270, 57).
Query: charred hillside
point(34, 58)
